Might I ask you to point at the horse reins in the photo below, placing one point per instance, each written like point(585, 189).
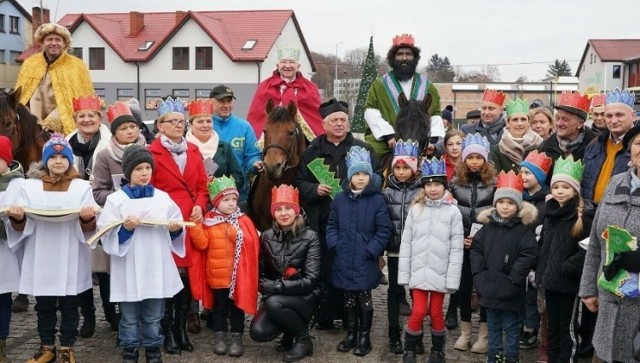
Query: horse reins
point(295, 136)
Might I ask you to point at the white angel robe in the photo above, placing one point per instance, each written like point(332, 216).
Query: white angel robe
point(142, 267)
point(56, 259)
point(9, 260)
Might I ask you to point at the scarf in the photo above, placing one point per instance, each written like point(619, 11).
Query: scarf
point(232, 219)
point(515, 148)
point(568, 146)
point(116, 150)
point(495, 217)
point(178, 151)
point(138, 191)
point(493, 129)
point(84, 151)
point(59, 183)
point(209, 148)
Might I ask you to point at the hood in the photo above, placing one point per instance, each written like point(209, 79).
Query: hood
point(528, 214)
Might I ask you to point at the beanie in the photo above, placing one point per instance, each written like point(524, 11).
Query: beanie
point(508, 193)
point(509, 186)
point(57, 144)
point(475, 144)
point(133, 156)
point(569, 171)
point(447, 115)
point(6, 148)
point(358, 161)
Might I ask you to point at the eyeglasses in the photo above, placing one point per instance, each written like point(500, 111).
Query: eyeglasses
point(176, 122)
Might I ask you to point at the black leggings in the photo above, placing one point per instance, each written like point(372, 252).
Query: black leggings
point(280, 313)
point(466, 288)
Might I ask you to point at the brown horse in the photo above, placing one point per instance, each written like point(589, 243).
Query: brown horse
point(284, 143)
point(22, 128)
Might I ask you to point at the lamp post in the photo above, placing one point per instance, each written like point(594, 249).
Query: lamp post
point(335, 78)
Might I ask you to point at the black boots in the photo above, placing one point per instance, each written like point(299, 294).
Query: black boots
point(395, 344)
point(88, 327)
point(303, 347)
point(285, 343)
point(350, 341)
point(437, 348)
point(153, 355)
point(410, 343)
point(364, 342)
point(130, 355)
point(451, 319)
point(170, 345)
point(182, 304)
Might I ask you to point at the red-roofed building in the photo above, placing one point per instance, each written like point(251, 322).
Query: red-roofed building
point(609, 63)
point(183, 53)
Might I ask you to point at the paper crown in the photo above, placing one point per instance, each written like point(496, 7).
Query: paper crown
point(569, 167)
point(433, 167)
point(598, 100)
point(404, 39)
point(510, 180)
point(118, 109)
point(216, 186)
point(476, 139)
point(493, 96)
point(540, 160)
point(617, 96)
point(517, 105)
point(357, 155)
point(87, 103)
point(285, 195)
point(200, 106)
point(289, 53)
point(575, 100)
point(170, 105)
point(406, 148)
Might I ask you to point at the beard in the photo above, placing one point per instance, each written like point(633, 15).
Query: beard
point(404, 70)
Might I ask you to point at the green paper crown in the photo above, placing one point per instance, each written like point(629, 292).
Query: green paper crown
point(517, 106)
point(217, 185)
point(569, 167)
point(325, 176)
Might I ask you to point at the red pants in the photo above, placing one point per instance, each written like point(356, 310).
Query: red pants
point(426, 302)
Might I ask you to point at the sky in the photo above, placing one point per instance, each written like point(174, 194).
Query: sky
point(519, 37)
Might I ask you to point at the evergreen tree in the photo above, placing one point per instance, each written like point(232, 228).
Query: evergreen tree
point(369, 74)
point(440, 69)
point(559, 68)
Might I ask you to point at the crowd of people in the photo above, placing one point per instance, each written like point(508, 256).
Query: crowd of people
point(528, 208)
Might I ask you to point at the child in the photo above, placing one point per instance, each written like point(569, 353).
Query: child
point(358, 230)
point(503, 252)
point(430, 258)
point(567, 220)
point(231, 243)
point(402, 186)
point(142, 269)
point(472, 186)
point(54, 244)
point(11, 175)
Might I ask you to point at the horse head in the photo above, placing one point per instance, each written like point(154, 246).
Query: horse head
point(9, 116)
point(413, 120)
point(283, 140)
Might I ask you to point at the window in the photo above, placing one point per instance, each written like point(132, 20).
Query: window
point(14, 57)
point(151, 99)
point(616, 72)
point(591, 58)
point(13, 25)
point(204, 57)
point(76, 52)
point(2, 56)
point(180, 58)
point(96, 58)
point(181, 93)
point(1, 23)
point(146, 45)
point(249, 44)
point(125, 94)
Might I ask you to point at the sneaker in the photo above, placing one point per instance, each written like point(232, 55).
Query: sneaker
point(528, 338)
point(66, 355)
point(44, 355)
point(236, 349)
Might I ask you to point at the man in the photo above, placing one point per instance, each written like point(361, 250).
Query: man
point(285, 85)
point(52, 78)
point(492, 121)
point(598, 122)
point(473, 117)
point(381, 107)
point(332, 148)
point(238, 133)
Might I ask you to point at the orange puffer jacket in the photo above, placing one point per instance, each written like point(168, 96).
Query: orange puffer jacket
point(219, 241)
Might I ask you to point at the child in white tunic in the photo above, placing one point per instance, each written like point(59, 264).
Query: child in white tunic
point(56, 264)
point(143, 271)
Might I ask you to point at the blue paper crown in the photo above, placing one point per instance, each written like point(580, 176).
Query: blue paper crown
point(170, 105)
point(406, 148)
point(357, 155)
point(617, 96)
point(471, 139)
point(433, 167)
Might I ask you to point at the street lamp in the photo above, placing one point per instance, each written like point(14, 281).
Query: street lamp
point(335, 78)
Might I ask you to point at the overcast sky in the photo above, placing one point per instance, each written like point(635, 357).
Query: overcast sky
point(471, 33)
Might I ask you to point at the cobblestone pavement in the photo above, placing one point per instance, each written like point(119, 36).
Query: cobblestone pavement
point(23, 343)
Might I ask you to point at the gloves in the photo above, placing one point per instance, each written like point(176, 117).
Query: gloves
point(629, 261)
point(272, 287)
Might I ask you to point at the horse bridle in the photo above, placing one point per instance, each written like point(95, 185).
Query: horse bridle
point(294, 137)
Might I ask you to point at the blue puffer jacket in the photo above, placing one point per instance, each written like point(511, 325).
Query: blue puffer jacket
point(594, 156)
point(358, 231)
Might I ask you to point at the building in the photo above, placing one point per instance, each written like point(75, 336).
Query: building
point(346, 90)
point(15, 36)
point(183, 53)
point(609, 63)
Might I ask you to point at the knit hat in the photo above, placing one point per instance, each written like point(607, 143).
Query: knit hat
point(220, 188)
point(509, 186)
point(447, 115)
point(475, 144)
point(358, 160)
point(136, 112)
point(119, 113)
point(539, 164)
point(568, 171)
point(284, 195)
point(6, 148)
point(407, 152)
point(133, 156)
point(434, 170)
point(57, 144)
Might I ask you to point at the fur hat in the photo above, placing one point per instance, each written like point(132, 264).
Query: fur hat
point(49, 28)
point(509, 186)
point(57, 144)
point(6, 148)
point(358, 160)
point(133, 156)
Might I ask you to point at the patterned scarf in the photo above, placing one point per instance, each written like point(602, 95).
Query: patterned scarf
point(568, 146)
point(232, 219)
point(493, 129)
point(515, 148)
point(178, 151)
point(116, 150)
point(495, 218)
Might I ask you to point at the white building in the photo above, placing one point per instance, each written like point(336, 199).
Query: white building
point(607, 64)
point(15, 37)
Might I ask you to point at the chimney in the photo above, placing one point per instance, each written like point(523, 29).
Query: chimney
point(136, 23)
point(39, 16)
point(180, 15)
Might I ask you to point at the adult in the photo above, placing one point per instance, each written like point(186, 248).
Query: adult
point(134, 106)
point(517, 140)
point(492, 122)
point(605, 157)
point(180, 172)
point(331, 148)
point(598, 122)
point(236, 132)
point(52, 78)
point(381, 106)
point(618, 317)
point(287, 84)
point(473, 117)
point(541, 121)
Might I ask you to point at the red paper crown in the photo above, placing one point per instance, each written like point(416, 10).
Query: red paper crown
point(87, 103)
point(541, 160)
point(118, 109)
point(510, 180)
point(404, 39)
point(200, 106)
point(493, 96)
point(284, 195)
point(598, 100)
point(574, 100)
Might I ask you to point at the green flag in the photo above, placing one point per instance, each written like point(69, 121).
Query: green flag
point(369, 74)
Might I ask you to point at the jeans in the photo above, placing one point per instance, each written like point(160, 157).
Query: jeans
point(426, 302)
point(279, 313)
point(507, 321)
point(47, 319)
point(5, 314)
point(141, 319)
point(223, 306)
point(562, 310)
point(530, 315)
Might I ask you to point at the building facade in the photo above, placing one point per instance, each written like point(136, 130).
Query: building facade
point(15, 36)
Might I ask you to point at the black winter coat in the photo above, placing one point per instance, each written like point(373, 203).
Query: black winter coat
point(551, 147)
point(561, 258)
point(472, 199)
point(398, 197)
point(538, 199)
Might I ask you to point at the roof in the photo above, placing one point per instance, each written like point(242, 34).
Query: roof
point(228, 29)
point(22, 10)
point(611, 50)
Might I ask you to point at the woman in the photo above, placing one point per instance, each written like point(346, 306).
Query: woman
point(541, 121)
point(180, 173)
point(517, 140)
point(618, 318)
point(453, 151)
